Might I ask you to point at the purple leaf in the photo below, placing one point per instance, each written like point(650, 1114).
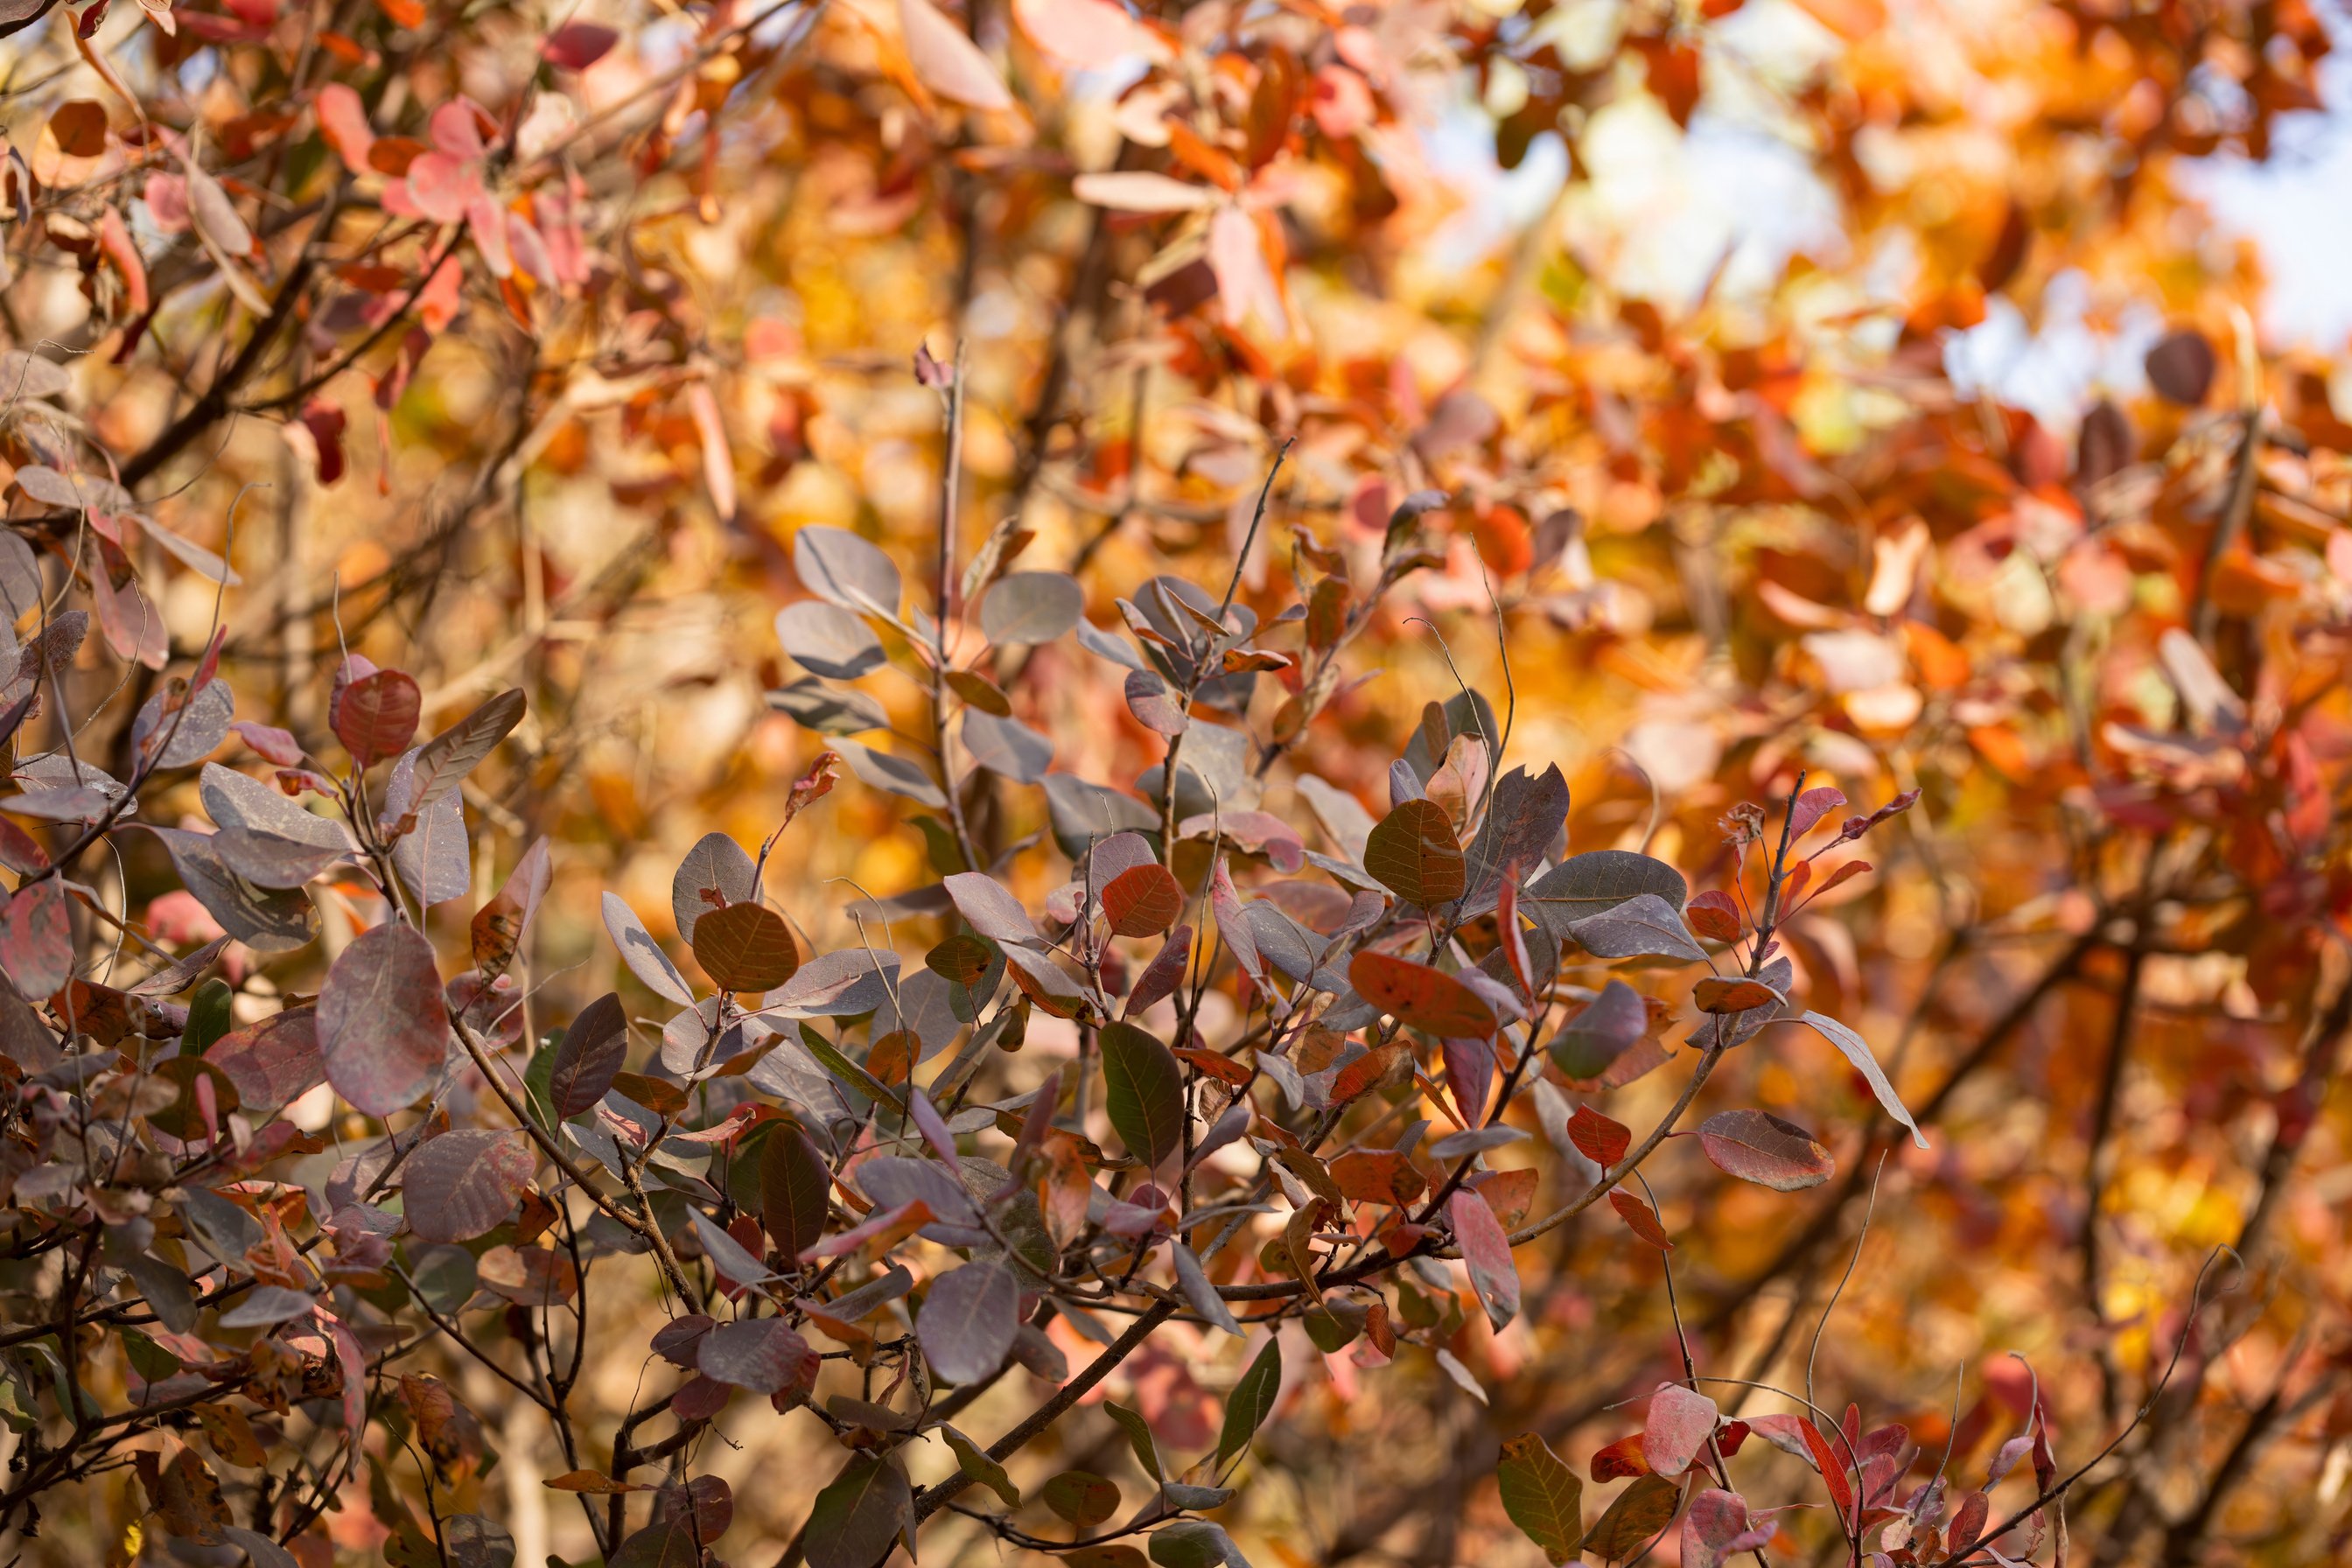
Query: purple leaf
point(465, 1183)
point(967, 1322)
point(384, 1027)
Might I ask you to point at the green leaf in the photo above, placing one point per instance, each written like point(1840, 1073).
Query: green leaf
point(1195, 1543)
point(1139, 1437)
point(1331, 1332)
point(1252, 1402)
point(1084, 1499)
point(829, 1057)
point(669, 1544)
point(1544, 1497)
point(1144, 1092)
point(151, 1360)
point(1412, 853)
point(208, 1017)
point(795, 1190)
point(859, 1514)
point(979, 1468)
point(539, 1077)
point(1641, 1512)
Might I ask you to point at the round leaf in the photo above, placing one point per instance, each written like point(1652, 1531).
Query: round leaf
point(1031, 606)
point(462, 1183)
point(828, 639)
point(376, 716)
point(1083, 1498)
point(383, 1025)
point(1763, 1149)
point(1143, 900)
point(745, 947)
point(1412, 853)
point(967, 1322)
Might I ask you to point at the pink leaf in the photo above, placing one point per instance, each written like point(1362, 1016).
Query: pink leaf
point(1089, 35)
point(487, 222)
point(1679, 1424)
point(1139, 192)
point(344, 120)
point(1810, 807)
point(1246, 285)
point(947, 61)
point(454, 131)
point(1487, 1252)
point(440, 186)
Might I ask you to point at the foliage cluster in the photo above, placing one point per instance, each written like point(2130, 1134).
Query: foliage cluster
point(864, 776)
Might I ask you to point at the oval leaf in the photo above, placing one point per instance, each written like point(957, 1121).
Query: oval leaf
point(375, 717)
point(1143, 900)
point(1030, 607)
point(1422, 997)
point(745, 947)
point(465, 1183)
point(590, 1053)
point(1412, 853)
point(967, 1322)
point(1543, 1496)
point(795, 1190)
point(383, 1025)
point(1765, 1149)
point(1143, 1093)
point(1487, 1249)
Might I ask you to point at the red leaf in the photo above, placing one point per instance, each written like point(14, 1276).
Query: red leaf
point(274, 1061)
point(1810, 807)
point(1422, 997)
point(1487, 1252)
point(1163, 974)
point(576, 46)
point(375, 716)
point(325, 421)
point(1224, 1068)
point(1763, 1149)
point(1143, 900)
point(1641, 1219)
point(1832, 1469)
point(1715, 994)
point(1620, 1459)
point(1715, 917)
point(1600, 1139)
point(1377, 1177)
point(36, 939)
